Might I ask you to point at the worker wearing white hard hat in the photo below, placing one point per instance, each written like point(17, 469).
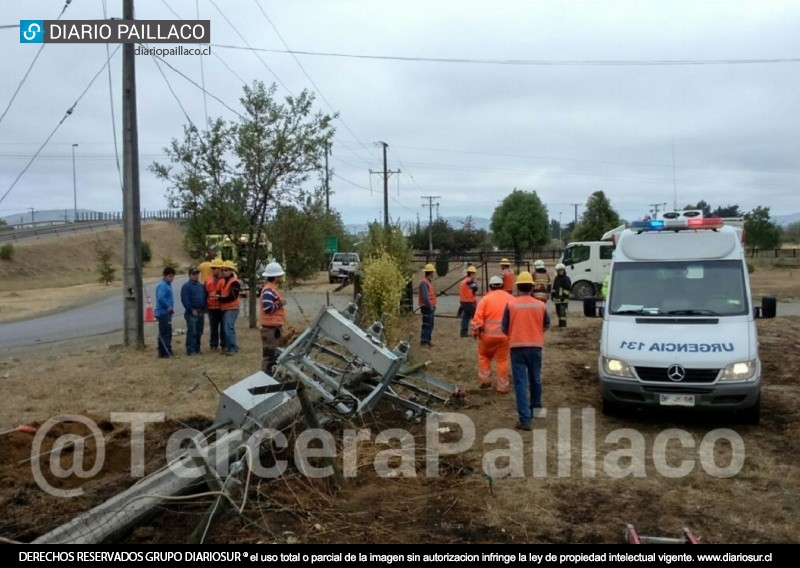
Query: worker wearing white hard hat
point(273, 316)
point(562, 285)
point(492, 342)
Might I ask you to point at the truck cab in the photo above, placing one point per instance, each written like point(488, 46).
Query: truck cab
point(587, 263)
point(678, 324)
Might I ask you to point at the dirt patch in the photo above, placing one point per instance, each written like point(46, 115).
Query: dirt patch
point(577, 482)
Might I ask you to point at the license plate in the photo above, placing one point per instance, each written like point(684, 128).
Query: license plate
point(676, 399)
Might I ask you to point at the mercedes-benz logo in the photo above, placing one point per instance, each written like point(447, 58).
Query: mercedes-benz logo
point(676, 373)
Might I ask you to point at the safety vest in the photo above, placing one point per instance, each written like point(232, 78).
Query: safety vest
point(466, 293)
point(225, 290)
point(212, 286)
point(526, 322)
point(489, 313)
point(431, 294)
point(276, 318)
point(508, 280)
point(541, 285)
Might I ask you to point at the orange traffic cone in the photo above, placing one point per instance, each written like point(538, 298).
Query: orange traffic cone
point(148, 312)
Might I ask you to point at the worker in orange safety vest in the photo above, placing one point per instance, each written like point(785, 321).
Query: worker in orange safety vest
point(525, 320)
point(467, 296)
point(492, 342)
point(508, 276)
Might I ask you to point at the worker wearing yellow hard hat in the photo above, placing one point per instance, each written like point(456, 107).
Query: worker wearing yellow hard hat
point(427, 304)
point(508, 276)
point(468, 298)
point(229, 302)
point(525, 320)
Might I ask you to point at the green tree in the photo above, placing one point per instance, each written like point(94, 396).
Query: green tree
point(597, 218)
point(7, 251)
point(791, 233)
point(759, 230)
point(233, 177)
point(469, 237)
point(147, 253)
point(702, 206)
point(4, 226)
point(520, 222)
point(392, 242)
point(729, 211)
point(297, 235)
point(105, 269)
point(440, 233)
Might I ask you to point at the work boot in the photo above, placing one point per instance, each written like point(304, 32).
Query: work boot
point(464, 334)
point(562, 323)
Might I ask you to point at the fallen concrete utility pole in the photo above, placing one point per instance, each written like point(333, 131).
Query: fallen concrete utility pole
point(340, 366)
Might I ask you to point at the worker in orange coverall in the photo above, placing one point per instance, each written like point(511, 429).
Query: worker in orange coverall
point(492, 342)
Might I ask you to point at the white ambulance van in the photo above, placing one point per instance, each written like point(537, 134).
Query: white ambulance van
point(678, 325)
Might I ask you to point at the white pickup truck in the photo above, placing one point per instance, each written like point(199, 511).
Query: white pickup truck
point(343, 266)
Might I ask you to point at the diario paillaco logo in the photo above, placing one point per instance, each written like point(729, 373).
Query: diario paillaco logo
point(115, 31)
point(31, 31)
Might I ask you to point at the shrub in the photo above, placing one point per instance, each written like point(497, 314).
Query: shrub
point(147, 253)
point(104, 266)
point(167, 261)
point(382, 283)
point(6, 251)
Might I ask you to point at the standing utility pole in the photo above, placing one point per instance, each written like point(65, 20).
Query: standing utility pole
point(131, 222)
point(576, 205)
point(386, 173)
point(74, 188)
point(327, 180)
point(429, 205)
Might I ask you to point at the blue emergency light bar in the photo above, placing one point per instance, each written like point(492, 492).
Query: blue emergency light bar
point(678, 224)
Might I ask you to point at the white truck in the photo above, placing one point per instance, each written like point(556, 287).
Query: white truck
point(678, 325)
point(587, 263)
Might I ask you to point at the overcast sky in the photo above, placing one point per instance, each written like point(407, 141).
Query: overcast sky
point(650, 102)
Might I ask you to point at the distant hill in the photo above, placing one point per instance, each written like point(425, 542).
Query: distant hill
point(784, 220)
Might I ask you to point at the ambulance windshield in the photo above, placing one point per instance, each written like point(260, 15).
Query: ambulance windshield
point(683, 288)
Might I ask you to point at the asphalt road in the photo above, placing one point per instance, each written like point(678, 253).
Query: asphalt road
point(106, 316)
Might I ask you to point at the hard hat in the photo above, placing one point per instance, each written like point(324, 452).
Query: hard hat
point(538, 264)
point(229, 265)
point(428, 268)
point(524, 278)
point(505, 261)
point(560, 266)
point(471, 268)
point(217, 263)
point(272, 270)
point(495, 281)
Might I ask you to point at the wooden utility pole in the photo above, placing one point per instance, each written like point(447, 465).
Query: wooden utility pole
point(131, 223)
point(430, 199)
point(386, 173)
point(327, 180)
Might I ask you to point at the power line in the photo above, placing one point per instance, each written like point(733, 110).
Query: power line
point(248, 45)
point(30, 67)
point(527, 62)
point(216, 98)
point(60, 122)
